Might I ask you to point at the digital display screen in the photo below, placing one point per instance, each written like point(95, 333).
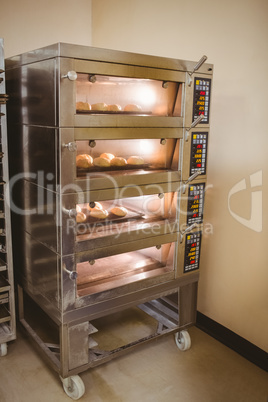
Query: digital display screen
point(192, 251)
point(195, 206)
point(198, 160)
point(201, 99)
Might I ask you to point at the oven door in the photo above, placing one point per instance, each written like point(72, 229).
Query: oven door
point(97, 219)
point(103, 94)
point(95, 159)
point(110, 272)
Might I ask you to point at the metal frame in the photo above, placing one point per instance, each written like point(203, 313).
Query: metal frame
point(7, 304)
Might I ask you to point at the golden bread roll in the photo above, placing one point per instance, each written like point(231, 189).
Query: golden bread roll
point(99, 106)
point(102, 162)
point(119, 211)
point(132, 108)
point(135, 160)
point(97, 206)
point(84, 161)
point(99, 213)
point(83, 106)
point(114, 108)
point(107, 156)
point(81, 217)
point(117, 161)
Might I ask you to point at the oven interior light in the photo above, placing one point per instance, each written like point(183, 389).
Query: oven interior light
point(146, 147)
point(146, 96)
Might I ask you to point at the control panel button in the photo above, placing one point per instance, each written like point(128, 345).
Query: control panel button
point(198, 153)
point(192, 251)
point(202, 87)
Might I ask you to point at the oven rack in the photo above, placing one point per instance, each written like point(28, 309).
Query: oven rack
point(7, 302)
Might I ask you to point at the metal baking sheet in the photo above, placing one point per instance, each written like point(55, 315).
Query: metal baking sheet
point(92, 222)
point(122, 112)
point(81, 172)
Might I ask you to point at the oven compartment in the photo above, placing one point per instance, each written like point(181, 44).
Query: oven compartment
point(110, 95)
point(51, 217)
point(101, 218)
point(117, 270)
point(104, 158)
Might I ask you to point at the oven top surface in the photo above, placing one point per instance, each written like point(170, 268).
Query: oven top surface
point(98, 54)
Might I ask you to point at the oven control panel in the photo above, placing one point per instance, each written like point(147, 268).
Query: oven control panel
point(198, 159)
point(195, 206)
point(192, 251)
point(202, 87)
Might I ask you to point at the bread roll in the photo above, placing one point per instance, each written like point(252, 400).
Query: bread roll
point(117, 161)
point(132, 108)
point(135, 160)
point(81, 217)
point(102, 162)
point(83, 106)
point(84, 161)
point(97, 206)
point(99, 106)
point(114, 108)
point(107, 156)
point(99, 213)
point(119, 211)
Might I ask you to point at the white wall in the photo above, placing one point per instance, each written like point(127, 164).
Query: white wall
point(27, 24)
point(233, 34)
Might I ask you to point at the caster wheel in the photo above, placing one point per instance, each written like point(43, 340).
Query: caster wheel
point(73, 387)
point(3, 349)
point(183, 340)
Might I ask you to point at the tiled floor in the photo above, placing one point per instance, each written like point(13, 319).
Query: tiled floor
point(157, 372)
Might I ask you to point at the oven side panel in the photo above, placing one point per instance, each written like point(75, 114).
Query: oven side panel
point(32, 90)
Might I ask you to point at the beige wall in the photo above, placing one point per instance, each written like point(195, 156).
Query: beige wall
point(233, 34)
point(30, 24)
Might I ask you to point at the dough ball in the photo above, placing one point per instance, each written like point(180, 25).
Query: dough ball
point(114, 108)
point(84, 161)
point(117, 161)
point(119, 211)
point(81, 217)
point(99, 213)
point(99, 106)
point(97, 206)
point(102, 162)
point(107, 156)
point(132, 108)
point(83, 106)
point(135, 160)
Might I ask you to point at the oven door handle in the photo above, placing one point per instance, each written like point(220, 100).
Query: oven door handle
point(70, 212)
point(72, 274)
point(71, 75)
point(188, 229)
point(71, 146)
point(194, 124)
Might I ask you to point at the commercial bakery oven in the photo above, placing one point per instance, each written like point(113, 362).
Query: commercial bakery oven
point(108, 155)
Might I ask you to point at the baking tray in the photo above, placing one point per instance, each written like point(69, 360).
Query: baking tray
point(92, 222)
point(82, 172)
point(120, 112)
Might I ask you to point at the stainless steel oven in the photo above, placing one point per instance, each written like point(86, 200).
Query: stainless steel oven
point(108, 154)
